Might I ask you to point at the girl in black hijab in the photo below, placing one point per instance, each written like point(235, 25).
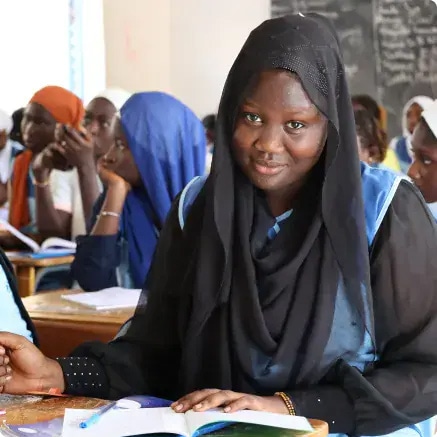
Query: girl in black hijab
point(277, 277)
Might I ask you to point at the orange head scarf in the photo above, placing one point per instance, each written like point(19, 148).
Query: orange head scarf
point(65, 108)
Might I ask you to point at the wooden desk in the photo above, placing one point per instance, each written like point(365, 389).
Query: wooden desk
point(64, 325)
point(26, 268)
point(48, 409)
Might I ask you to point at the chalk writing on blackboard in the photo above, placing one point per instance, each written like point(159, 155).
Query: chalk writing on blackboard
point(406, 33)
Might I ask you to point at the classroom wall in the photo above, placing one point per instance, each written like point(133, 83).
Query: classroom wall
point(137, 42)
point(30, 37)
point(184, 47)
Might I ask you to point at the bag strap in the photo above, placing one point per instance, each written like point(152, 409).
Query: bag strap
point(188, 196)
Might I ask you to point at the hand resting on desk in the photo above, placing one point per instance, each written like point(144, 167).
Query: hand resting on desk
point(203, 400)
point(24, 369)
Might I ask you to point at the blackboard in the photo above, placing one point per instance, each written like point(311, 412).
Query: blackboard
point(389, 46)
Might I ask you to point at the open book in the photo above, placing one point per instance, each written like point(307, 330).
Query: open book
point(49, 248)
point(129, 422)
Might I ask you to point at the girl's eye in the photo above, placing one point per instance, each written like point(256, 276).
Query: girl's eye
point(119, 144)
point(295, 125)
point(252, 118)
point(426, 161)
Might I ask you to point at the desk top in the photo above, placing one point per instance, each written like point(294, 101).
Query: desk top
point(50, 306)
point(39, 410)
point(20, 260)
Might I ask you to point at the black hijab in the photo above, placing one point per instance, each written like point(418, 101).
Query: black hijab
point(255, 316)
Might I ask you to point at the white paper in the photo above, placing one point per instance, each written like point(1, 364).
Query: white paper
point(107, 299)
point(55, 242)
point(51, 245)
point(121, 423)
point(285, 421)
point(26, 240)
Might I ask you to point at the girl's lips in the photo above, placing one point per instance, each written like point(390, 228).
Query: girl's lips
point(268, 168)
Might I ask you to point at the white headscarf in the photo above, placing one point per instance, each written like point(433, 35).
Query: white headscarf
point(423, 102)
point(116, 96)
point(6, 122)
point(430, 116)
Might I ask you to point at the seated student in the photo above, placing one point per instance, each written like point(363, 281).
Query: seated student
point(371, 139)
point(363, 101)
point(15, 135)
point(263, 282)
point(159, 147)
point(410, 117)
point(8, 150)
point(83, 151)
point(209, 125)
point(423, 170)
point(39, 201)
point(13, 314)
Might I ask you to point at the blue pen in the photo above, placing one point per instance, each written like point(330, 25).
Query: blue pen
point(97, 415)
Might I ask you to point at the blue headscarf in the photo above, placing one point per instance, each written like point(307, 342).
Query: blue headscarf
point(168, 144)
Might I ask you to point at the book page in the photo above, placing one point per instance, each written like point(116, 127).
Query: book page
point(285, 421)
point(26, 240)
point(121, 422)
point(107, 299)
point(54, 242)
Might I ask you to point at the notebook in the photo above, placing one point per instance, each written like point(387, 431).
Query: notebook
point(130, 422)
point(107, 299)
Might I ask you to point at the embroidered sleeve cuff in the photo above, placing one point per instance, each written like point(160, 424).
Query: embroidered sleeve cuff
point(84, 376)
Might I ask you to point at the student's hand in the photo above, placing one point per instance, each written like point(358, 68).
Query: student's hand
point(23, 368)
point(232, 401)
point(112, 180)
point(46, 161)
point(74, 146)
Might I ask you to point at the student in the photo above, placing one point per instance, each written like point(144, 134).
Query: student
point(410, 117)
point(159, 147)
point(83, 151)
point(209, 125)
point(8, 150)
point(363, 101)
point(13, 315)
point(262, 281)
point(40, 202)
point(371, 139)
point(15, 135)
point(423, 170)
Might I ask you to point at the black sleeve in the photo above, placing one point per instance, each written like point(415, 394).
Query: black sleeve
point(401, 388)
point(97, 257)
point(145, 355)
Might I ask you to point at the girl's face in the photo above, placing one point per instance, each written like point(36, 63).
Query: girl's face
point(97, 121)
point(423, 170)
point(413, 116)
point(279, 133)
point(38, 127)
point(119, 158)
